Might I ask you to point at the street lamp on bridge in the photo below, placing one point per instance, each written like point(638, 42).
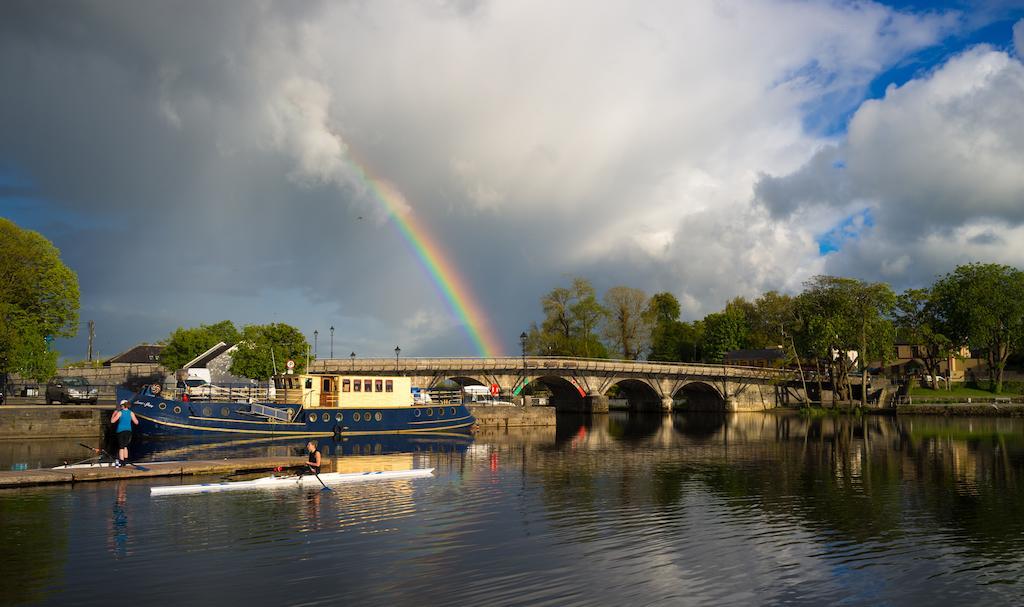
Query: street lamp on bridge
point(352, 357)
point(332, 341)
point(522, 344)
point(315, 335)
point(397, 352)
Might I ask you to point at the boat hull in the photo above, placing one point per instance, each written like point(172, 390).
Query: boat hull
point(167, 417)
point(286, 482)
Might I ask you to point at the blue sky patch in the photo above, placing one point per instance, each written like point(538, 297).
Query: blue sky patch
point(984, 22)
point(848, 229)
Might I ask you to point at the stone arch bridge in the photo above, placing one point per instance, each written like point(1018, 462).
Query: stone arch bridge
point(582, 384)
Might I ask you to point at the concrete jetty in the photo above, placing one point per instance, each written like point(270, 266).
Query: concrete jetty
point(27, 478)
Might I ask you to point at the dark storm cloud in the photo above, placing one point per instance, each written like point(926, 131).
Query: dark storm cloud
point(195, 161)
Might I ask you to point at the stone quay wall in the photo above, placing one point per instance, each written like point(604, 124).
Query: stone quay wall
point(44, 421)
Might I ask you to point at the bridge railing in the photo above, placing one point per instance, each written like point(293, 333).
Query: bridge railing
point(514, 363)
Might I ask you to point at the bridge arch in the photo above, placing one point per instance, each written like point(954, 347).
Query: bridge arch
point(466, 380)
point(701, 396)
point(639, 393)
point(565, 395)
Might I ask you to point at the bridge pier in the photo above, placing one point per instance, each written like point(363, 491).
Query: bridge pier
point(595, 403)
point(666, 404)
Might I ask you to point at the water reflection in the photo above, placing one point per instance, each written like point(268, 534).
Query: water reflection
point(117, 535)
point(729, 509)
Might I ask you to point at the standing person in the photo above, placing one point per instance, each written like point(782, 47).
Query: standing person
point(314, 457)
point(124, 417)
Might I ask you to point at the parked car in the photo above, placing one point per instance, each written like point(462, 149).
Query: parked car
point(64, 390)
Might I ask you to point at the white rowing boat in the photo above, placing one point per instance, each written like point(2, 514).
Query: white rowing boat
point(273, 482)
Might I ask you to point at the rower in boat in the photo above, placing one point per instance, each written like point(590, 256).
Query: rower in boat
point(314, 457)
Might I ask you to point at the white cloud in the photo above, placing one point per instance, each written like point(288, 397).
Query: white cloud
point(535, 138)
point(938, 161)
point(1018, 38)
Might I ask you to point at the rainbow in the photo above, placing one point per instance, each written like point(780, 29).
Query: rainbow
point(445, 275)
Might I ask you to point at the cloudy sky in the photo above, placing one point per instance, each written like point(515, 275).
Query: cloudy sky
point(196, 161)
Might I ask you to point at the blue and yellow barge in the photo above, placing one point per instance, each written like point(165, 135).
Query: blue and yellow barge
point(300, 405)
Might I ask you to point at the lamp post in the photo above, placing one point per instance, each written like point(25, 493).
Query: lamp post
point(332, 341)
point(522, 344)
point(397, 352)
point(316, 334)
point(352, 356)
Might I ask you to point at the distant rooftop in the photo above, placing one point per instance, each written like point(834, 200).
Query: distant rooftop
point(201, 361)
point(140, 354)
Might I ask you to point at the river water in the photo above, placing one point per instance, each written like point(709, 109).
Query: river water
point(614, 510)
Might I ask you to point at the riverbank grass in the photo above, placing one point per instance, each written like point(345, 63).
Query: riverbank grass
point(958, 391)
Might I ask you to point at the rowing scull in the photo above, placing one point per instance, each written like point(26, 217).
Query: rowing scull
point(273, 482)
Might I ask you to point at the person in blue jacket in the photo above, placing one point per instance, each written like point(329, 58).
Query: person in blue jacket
point(124, 418)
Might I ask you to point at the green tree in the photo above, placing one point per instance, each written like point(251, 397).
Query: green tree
point(662, 316)
point(772, 315)
point(725, 331)
point(264, 347)
point(38, 302)
point(982, 305)
point(690, 341)
point(626, 327)
point(571, 317)
point(919, 324)
point(185, 344)
point(839, 315)
point(588, 315)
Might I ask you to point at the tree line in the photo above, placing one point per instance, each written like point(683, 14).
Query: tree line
point(38, 303)
point(977, 305)
point(262, 349)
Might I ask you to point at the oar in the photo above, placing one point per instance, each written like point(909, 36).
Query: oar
point(317, 475)
point(98, 450)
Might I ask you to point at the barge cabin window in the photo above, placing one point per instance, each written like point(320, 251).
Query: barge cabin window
point(389, 386)
point(380, 385)
point(367, 385)
point(346, 385)
point(356, 386)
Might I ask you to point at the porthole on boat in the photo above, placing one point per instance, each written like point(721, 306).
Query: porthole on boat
point(377, 416)
point(177, 409)
point(453, 411)
point(339, 417)
point(312, 417)
point(356, 417)
point(430, 412)
point(440, 411)
point(224, 412)
point(207, 412)
point(416, 412)
point(326, 417)
point(162, 406)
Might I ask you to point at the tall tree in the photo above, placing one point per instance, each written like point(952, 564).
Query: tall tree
point(982, 304)
point(920, 325)
point(662, 316)
point(771, 316)
point(571, 317)
point(262, 348)
point(38, 302)
point(185, 344)
point(840, 315)
point(625, 325)
point(588, 314)
point(725, 331)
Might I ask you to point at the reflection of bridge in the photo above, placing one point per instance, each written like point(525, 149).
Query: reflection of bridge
point(583, 384)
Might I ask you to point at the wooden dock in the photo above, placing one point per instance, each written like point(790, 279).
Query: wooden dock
point(27, 478)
